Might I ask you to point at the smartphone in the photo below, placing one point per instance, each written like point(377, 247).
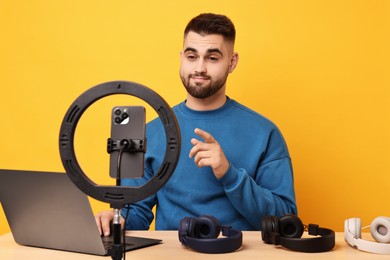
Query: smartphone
point(128, 122)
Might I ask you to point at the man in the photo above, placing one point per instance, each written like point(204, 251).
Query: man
point(234, 163)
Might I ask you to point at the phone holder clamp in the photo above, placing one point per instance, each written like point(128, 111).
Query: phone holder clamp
point(133, 145)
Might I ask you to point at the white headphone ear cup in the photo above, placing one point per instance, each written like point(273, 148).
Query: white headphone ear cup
point(380, 229)
point(355, 227)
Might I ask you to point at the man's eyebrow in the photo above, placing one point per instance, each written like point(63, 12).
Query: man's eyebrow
point(213, 50)
point(189, 49)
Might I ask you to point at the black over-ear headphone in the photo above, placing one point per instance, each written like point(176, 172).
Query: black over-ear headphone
point(287, 231)
point(201, 234)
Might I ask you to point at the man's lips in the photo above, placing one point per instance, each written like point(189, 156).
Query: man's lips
point(200, 78)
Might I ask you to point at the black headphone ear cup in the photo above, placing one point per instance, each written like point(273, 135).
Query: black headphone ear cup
point(192, 230)
point(269, 225)
point(184, 228)
point(207, 227)
point(291, 226)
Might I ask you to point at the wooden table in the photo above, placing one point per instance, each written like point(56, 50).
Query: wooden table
point(253, 248)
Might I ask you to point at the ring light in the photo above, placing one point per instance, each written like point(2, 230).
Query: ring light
point(119, 196)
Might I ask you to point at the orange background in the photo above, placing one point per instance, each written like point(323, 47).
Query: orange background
point(318, 69)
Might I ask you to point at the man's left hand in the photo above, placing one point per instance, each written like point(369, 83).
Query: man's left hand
point(209, 153)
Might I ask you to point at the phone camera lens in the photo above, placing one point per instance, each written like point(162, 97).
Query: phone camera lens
point(117, 112)
point(125, 115)
point(118, 120)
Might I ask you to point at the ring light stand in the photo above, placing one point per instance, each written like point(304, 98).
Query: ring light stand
point(119, 196)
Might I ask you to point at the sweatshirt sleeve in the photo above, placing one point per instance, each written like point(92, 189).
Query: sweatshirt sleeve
point(269, 191)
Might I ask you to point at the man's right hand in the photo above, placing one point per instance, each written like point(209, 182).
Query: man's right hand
point(103, 220)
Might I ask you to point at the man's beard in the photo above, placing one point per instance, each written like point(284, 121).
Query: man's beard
point(203, 91)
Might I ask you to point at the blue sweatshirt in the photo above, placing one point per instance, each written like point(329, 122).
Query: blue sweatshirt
point(259, 181)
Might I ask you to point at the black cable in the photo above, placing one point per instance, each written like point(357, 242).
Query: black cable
point(124, 145)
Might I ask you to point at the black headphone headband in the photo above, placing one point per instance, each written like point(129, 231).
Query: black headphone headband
point(201, 234)
point(287, 231)
point(323, 243)
point(230, 243)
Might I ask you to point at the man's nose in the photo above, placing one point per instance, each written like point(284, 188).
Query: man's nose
point(201, 66)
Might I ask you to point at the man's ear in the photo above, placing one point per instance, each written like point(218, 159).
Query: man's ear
point(233, 62)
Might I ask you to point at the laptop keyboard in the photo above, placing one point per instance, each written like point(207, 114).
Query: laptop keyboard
point(107, 242)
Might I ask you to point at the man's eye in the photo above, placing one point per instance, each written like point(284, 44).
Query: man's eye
point(213, 58)
point(191, 57)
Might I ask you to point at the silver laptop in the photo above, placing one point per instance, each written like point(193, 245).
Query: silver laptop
point(45, 209)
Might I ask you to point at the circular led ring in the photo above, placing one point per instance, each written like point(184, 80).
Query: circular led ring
point(119, 196)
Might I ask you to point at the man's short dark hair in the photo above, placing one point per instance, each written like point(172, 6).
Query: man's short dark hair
point(209, 23)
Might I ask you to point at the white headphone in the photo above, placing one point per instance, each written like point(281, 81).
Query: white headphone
point(380, 231)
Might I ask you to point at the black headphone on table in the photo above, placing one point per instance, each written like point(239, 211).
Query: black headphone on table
point(287, 231)
point(201, 234)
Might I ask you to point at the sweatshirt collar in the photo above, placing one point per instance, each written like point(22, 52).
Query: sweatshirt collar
point(206, 113)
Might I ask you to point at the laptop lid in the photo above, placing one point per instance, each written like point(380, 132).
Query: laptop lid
point(45, 209)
